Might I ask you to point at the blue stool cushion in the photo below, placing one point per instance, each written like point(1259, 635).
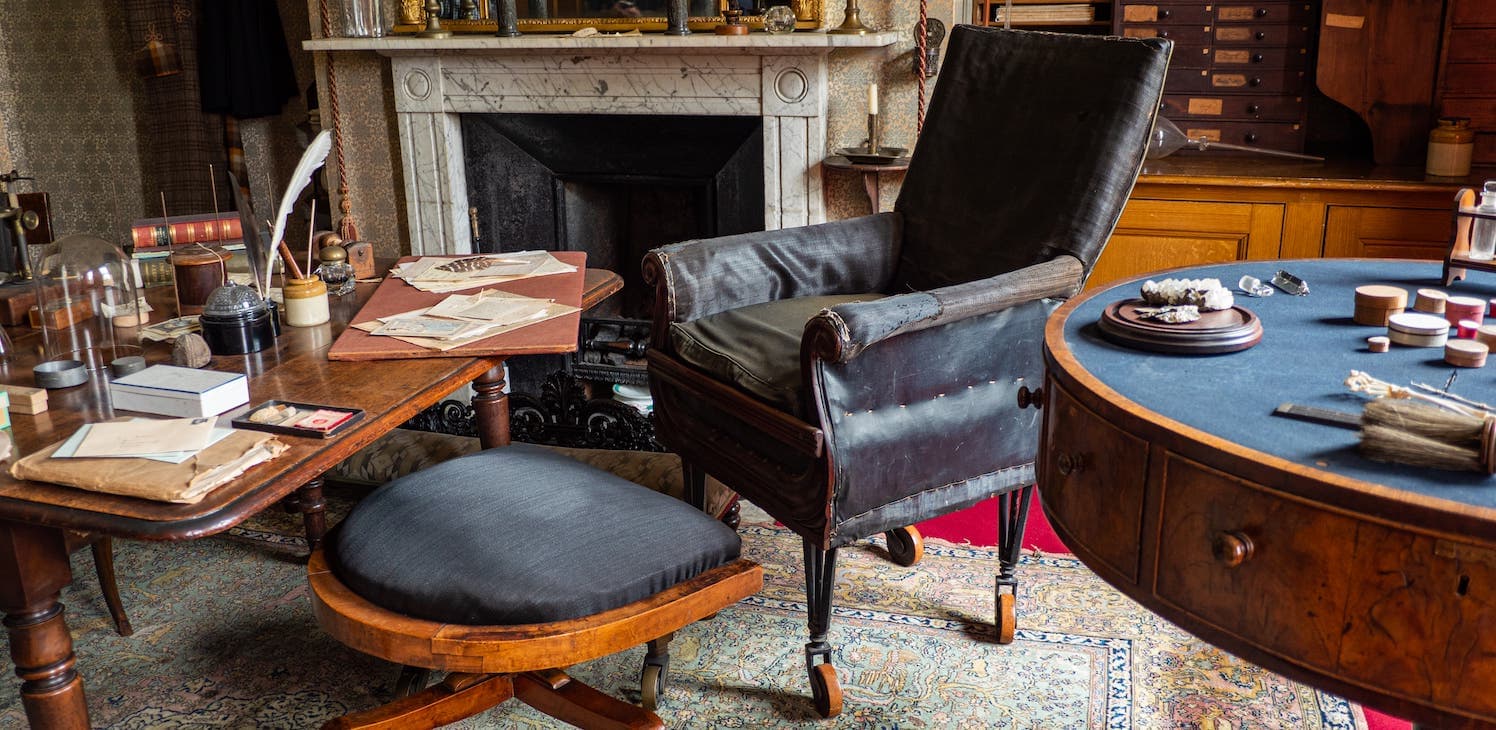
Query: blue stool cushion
point(520, 535)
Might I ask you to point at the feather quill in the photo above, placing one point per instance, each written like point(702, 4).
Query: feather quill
point(254, 236)
point(313, 158)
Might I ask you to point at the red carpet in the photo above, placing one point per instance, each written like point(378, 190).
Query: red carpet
point(978, 526)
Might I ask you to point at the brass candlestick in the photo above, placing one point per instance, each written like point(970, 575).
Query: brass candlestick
point(872, 134)
point(433, 23)
point(852, 22)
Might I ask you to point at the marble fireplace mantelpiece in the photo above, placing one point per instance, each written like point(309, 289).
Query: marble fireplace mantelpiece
point(780, 78)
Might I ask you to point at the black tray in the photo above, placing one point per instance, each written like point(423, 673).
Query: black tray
point(244, 422)
point(861, 156)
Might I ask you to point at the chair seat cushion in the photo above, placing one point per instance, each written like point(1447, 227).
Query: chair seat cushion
point(520, 535)
point(757, 348)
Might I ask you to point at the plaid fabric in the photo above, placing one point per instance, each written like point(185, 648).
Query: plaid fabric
point(233, 145)
point(182, 140)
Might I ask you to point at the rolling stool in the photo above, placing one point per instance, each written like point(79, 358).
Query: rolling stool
point(501, 566)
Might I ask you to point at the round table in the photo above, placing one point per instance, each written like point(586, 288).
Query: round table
point(1269, 537)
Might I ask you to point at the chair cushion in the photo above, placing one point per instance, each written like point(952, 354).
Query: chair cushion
point(757, 348)
point(519, 535)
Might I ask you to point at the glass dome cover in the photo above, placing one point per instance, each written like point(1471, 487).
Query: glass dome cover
point(234, 300)
point(87, 301)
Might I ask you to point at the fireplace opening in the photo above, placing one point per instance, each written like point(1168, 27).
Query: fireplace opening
point(614, 186)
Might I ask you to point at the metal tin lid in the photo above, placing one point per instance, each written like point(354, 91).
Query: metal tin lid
point(332, 253)
point(233, 300)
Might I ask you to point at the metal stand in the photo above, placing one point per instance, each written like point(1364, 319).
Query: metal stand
point(508, 20)
point(676, 12)
point(852, 22)
point(433, 22)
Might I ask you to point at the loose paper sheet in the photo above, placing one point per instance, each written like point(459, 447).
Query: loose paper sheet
point(146, 436)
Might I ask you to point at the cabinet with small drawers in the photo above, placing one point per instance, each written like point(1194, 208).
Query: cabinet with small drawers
point(1240, 70)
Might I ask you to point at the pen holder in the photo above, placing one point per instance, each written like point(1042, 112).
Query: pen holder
point(236, 321)
point(306, 302)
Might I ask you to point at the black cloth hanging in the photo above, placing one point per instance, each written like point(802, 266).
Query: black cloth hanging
point(243, 64)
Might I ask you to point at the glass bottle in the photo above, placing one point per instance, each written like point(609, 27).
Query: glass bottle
point(1483, 230)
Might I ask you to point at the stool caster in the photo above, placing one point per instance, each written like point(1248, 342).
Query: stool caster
point(905, 545)
point(825, 691)
point(411, 681)
point(1007, 616)
point(655, 674)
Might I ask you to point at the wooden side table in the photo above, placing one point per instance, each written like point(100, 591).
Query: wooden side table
point(870, 173)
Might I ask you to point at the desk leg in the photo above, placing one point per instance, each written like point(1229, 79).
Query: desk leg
point(491, 408)
point(33, 571)
point(313, 511)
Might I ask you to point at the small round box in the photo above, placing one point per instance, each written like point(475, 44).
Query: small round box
point(1376, 302)
point(1418, 329)
point(1378, 343)
point(1486, 333)
point(1462, 308)
point(1430, 300)
point(1466, 353)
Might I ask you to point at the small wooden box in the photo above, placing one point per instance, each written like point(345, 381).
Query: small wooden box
point(61, 316)
point(23, 399)
point(361, 256)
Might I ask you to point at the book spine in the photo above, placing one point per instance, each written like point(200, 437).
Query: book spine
point(153, 235)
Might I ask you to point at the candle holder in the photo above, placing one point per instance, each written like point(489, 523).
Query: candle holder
point(676, 12)
point(434, 22)
point(872, 153)
point(851, 21)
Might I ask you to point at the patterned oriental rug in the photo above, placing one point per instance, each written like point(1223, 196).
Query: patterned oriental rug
point(225, 639)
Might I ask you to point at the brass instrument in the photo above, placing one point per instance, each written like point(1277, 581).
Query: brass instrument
point(19, 220)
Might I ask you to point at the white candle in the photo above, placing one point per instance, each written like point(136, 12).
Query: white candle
point(872, 99)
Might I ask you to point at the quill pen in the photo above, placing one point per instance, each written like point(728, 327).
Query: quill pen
point(315, 155)
point(253, 234)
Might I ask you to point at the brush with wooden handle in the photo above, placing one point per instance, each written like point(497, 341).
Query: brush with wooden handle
point(1405, 431)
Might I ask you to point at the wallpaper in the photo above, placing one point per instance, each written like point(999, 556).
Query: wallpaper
point(373, 151)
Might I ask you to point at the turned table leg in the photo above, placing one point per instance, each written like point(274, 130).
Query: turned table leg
point(491, 408)
point(313, 511)
point(33, 570)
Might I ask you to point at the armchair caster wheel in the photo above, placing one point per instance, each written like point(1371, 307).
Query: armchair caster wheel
point(652, 679)
point(1007, 617)
point(825, 691)
point(905, 545)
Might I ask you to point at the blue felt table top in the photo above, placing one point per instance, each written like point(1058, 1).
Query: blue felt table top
point(1309, 345)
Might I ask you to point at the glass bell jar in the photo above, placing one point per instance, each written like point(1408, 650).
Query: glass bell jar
point(87, 306)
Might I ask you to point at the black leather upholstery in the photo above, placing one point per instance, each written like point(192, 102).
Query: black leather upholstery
point(520, 535)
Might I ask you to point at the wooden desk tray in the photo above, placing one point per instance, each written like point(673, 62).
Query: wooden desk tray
point(1228, 330)
point(243, 421)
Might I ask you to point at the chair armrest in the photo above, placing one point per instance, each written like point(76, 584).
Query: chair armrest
point(841, 333)
point(694, 279)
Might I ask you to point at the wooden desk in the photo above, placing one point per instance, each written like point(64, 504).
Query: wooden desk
point(33, 517)
point(1272, 538)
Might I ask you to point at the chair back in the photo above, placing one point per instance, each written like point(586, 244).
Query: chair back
point(1030, 148)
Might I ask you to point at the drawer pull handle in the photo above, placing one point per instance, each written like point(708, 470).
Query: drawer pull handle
point(1164, 14)
point(1067, 463)
point(1163, 34)
point(1232, 548)
point(1250, 137)
point(1260, 35)
point(1257, 58)
point(1261, 12)
point(1252, 108)
point(1255, 81)
point(1028, 397)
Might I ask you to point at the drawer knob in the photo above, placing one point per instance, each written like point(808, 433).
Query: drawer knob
point(1257, 58)
point(1252, 108)
point(1261, 12)
point(1232, 548)
point(1028, 397)
point(1066, 463)
point(1250, 137)
point(1260, 35)
point(1163, 34)
point(1164, 14)
point(1255, 81)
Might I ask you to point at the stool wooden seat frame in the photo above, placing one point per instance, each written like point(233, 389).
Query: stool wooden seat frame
point(488, 665)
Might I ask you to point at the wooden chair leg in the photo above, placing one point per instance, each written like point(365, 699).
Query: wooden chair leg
point(103, 555)
point(460, 695)
point(572, 702)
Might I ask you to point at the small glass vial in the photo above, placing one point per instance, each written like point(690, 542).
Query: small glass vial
point(1483, 230)
point(1450, 147)
point(306, 302)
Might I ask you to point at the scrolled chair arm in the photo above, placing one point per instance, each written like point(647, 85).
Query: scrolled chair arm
point(843, 332)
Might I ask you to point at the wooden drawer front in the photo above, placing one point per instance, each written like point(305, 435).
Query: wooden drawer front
point(1273, 135)
point(1230, 58)
point(1091, 479)
point(1245, 81)
point(1193, 14)
point(1265, 13)
point(1482, 112)
point(1387, 607)
point(1195, 35)
point(1282, 36)
point(1470, 12)
point(1386, 232)
point(1485, 149)
point(1161, 234)
point(1288, 597)
point(1473, 44)
point(1199, 107)
point(1190, 56)
point(1474, 79)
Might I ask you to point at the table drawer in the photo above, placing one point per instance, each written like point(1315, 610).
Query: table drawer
point(1262, 35)
point(1265, 13)
point(1226, 59)
point(1180, 107)
point(1195, 35)
point(1326, 590)
point(1245, 81)
point(1192, 14)
point(1086, 456)
point(1272, 135)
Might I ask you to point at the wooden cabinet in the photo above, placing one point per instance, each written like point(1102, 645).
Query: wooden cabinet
point(1201, 209)
point(1467, 71)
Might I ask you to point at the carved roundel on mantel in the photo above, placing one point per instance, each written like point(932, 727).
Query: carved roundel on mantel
point(791, 85)
point(418, 84)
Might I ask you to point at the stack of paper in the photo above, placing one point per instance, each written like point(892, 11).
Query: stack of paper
point(464, 318)
point(171, 440)
point(446, 274)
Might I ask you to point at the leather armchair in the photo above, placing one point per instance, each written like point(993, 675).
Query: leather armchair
point(855, 377)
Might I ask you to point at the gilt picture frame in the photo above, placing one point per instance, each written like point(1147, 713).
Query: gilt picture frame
point(609, 16)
